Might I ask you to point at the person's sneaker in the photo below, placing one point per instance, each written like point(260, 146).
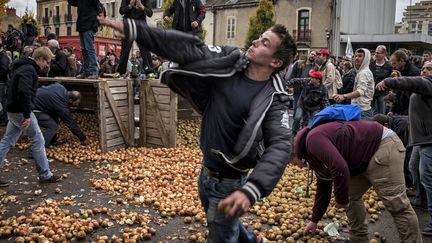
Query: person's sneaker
point(52, 179)
point(427, 231)
point(92, 76)
point(81, 76)
point(4, 183)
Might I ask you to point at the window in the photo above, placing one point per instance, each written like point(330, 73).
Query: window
point(69, 31)
point(57, 30)
point(159, 3)
point(303, 25)
point(69, 9)
point(113, 10)
point(231, 27)
point(46, 12)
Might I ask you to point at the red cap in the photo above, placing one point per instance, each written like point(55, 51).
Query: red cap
point(316, 74)
point(324, 52)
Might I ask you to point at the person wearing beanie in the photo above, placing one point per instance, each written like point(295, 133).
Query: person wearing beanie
point(60, 65)
point(332, 152)
point(313, 98)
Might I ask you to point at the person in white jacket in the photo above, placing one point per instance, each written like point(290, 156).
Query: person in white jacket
point(363, 92)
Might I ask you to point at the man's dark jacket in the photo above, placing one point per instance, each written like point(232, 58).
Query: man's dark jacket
point(420, 106)
point(268, 118)
point(4, 67)
point(87, 13)
point(22, 86)
point(312, 98)
point(135, 12)
point(380, 74)
point(59, 65)
point(183, 17)
point(53, 99)
point(401, 100)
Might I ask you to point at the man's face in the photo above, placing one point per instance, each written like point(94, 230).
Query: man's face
point(74, 103)
point(379, 54)
point(134, 56)
point(315, 81)
point(262, 49)
point(322, 57)
point(397, 64)
point(358, 59)
point(43, 64)
point(426, 69)
point(426, 57)
point(312, 56)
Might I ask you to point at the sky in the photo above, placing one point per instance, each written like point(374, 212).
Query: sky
point(21, 5)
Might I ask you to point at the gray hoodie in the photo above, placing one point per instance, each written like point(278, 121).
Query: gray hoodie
point(364, 83)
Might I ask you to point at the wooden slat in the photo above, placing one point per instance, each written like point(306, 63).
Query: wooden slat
point(158, 118)
point(153, 140)
point(131, 113)
point(119, 103)
point(142, 115)
point(102, 126)
point(117, 147)
point(122, 96)
point(173, 116)
point(113, 134)
point(162, 91)
point(115, 141)
point(114, 110)
point(116, 83)
point(111, 120)
point(163, 99)
point(122, 111)
point(117, 90)
point(112, 127)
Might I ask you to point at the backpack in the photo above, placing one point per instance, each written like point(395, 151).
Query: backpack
point(135, 72)
point(337, 113)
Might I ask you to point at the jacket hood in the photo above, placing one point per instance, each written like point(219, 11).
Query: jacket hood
point(24, 61)
point(366, 59)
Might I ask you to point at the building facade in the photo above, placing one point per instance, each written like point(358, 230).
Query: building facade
point(417, 19)
point(10, 17)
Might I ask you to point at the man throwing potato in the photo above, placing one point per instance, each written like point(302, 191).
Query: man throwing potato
point(352, 157)
point(245, 122)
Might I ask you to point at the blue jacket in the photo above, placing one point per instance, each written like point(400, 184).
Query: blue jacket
point(53, 99)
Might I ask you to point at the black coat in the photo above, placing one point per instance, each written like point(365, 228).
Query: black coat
point(135, 12)
point(4, 67)
point(420, 106)
point(59, 65)
point(401, 101)
point(380, 74)
point(22, 86)
point(183, 17)
point(87, 13)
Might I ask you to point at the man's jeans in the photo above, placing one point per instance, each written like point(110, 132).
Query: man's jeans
point(385, 174)
point(366, 115)
point(211, 191)
point(50, 125)
point(300, 115)
point(88, 52)
point(414, 167)
point(425, 166)
point(378, 104)
point(13, 132)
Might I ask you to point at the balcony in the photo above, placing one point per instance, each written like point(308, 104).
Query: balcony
point(68, 18)
point(45, 20)
point(302, 35)
point(56, 19)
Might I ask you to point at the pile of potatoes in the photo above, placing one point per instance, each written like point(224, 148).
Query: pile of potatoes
point(165, 179)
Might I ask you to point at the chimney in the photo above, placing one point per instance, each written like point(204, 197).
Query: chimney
point(11, 12)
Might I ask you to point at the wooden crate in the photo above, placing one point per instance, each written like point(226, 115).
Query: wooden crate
point(112, 100)
point(157, 115)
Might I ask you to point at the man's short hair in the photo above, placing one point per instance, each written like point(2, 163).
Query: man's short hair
point(360, 50)
point(42, 52)
point(427, 52)
point(53, 43)
point(69, 49)
point(74, 95)
point(287, 48)
point(400, 55)
point(381, 119)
